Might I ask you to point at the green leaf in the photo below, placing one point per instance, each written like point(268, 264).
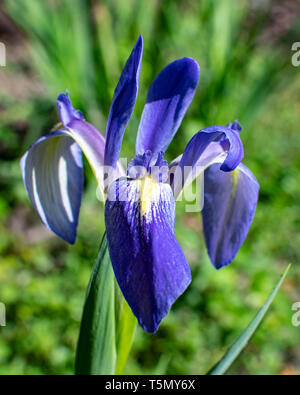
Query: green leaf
point(236, 348)
point(96, 349)
point(126, 324)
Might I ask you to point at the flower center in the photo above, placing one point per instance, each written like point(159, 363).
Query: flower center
point(149, 194)
point(151, 165)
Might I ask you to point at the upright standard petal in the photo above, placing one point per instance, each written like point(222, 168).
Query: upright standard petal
point(168, 99)
point(220, 144)
point(90, 140)
point(230, 200)
point(227, 137)
point(148, 262)
point(53, 177)
point(66, 110)
point(123, 104)
point(92, 144)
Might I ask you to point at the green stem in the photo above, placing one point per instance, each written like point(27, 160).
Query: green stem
point(107, 326)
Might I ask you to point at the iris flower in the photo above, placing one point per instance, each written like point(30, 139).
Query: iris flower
point(148, 262)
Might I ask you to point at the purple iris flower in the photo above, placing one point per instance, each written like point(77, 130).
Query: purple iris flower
point(148, 262)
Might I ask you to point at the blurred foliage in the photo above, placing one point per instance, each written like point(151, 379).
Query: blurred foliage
point(244, 51)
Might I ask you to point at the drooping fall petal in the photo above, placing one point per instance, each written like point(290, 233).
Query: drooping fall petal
point(52, 170)
point(148, 262)
point(53, 176)
point(230, 200)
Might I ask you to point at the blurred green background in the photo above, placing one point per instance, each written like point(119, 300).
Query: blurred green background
point(244, 51)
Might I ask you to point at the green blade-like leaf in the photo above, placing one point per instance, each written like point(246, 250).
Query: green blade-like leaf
point(236, 348)
point(126, 324)
point(96, 349)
